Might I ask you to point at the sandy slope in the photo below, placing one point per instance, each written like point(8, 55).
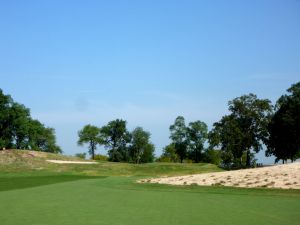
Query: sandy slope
point(70, 162)
point(279, 176)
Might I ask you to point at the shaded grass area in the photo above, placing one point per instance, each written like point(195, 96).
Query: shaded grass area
point(20, 182)
point(119, 200)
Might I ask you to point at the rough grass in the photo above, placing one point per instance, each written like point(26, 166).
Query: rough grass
point(20, 161)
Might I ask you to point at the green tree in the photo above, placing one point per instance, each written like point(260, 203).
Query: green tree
point(20, 124)
point(197, 135)
point(90, 134)
point(169, 152)
point(141, 146)
point(179, 137)
point(148, 154)
point(19, 130)
point(253, 116)
point(245, 129)
point(5, 131)
point(42, 138)
point(81, 155)
point(212, 156)
point(284, 128)
point(227, 135)
point(116, 139)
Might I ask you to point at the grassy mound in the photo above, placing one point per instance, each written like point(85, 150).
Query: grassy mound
point(23, 161)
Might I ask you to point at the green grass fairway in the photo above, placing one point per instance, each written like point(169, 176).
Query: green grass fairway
point(118, 200)
point(33, 192)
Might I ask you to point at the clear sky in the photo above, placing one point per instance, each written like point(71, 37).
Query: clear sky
point(79, 62)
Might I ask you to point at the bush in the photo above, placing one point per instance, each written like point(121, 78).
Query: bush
point(212, 156)
point(80, 155)
point(101, 157)
point(164, 159)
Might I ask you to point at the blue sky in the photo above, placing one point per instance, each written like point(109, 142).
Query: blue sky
point(79, 62)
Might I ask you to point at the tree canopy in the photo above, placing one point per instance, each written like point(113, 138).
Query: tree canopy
point(18, 130)
point(284, 128)
point(90, 134)
point(245, 129)
point(141, 150)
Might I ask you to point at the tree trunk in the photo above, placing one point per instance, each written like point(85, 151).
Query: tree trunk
point(248, 160)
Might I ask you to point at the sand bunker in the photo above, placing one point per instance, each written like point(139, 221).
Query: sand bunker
point(70, 162)
point(280, 176)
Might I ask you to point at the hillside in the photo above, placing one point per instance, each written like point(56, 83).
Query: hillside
point(24, 161)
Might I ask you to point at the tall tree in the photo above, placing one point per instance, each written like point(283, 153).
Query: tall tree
point(20, 123)
point(284, 128)
point(227, 135)
point(148, 153)
point(179, 137)
point(140, 145)
point(90, 134)
point(19, 130)
point(197, 135)
point(116, 139)
point(5, 131)
point(245, 129)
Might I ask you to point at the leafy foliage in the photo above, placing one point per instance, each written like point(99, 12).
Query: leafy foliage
point(245, 129)
point(141, 150)
point(179, 137)
point(116, 138)
point(197, 135)
point(89, 134)
point(18, 130)
point(284, 128)
point(81, 155)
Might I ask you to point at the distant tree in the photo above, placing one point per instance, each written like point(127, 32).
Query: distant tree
point(212, 156)
point(90, 134)
point(100, 157)
point(81, 155)
point(141, 146)
point(179, 137)
point(245, 129)
point(148, 154)
point(116, 139)
point(196, 135)
point(19, 130)
point(227, 135)
point(169, 152)
point(5, 131)
point(19, 117)
point(284, 128)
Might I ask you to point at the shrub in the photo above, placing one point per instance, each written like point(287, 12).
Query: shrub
point(101, 157)
point(81, 155)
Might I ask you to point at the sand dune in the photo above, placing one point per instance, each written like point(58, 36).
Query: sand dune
point(279, 176)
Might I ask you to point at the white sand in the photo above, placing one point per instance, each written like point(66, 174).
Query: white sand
point(280, 176)
point(70, 162)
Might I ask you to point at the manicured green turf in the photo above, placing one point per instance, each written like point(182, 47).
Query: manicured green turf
point(119, 200)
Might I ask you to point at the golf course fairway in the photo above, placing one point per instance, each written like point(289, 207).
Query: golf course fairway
point(112, 200)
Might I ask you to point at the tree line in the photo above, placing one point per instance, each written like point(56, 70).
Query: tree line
point(122, 145)
point(252, 124)
point(19, 131)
